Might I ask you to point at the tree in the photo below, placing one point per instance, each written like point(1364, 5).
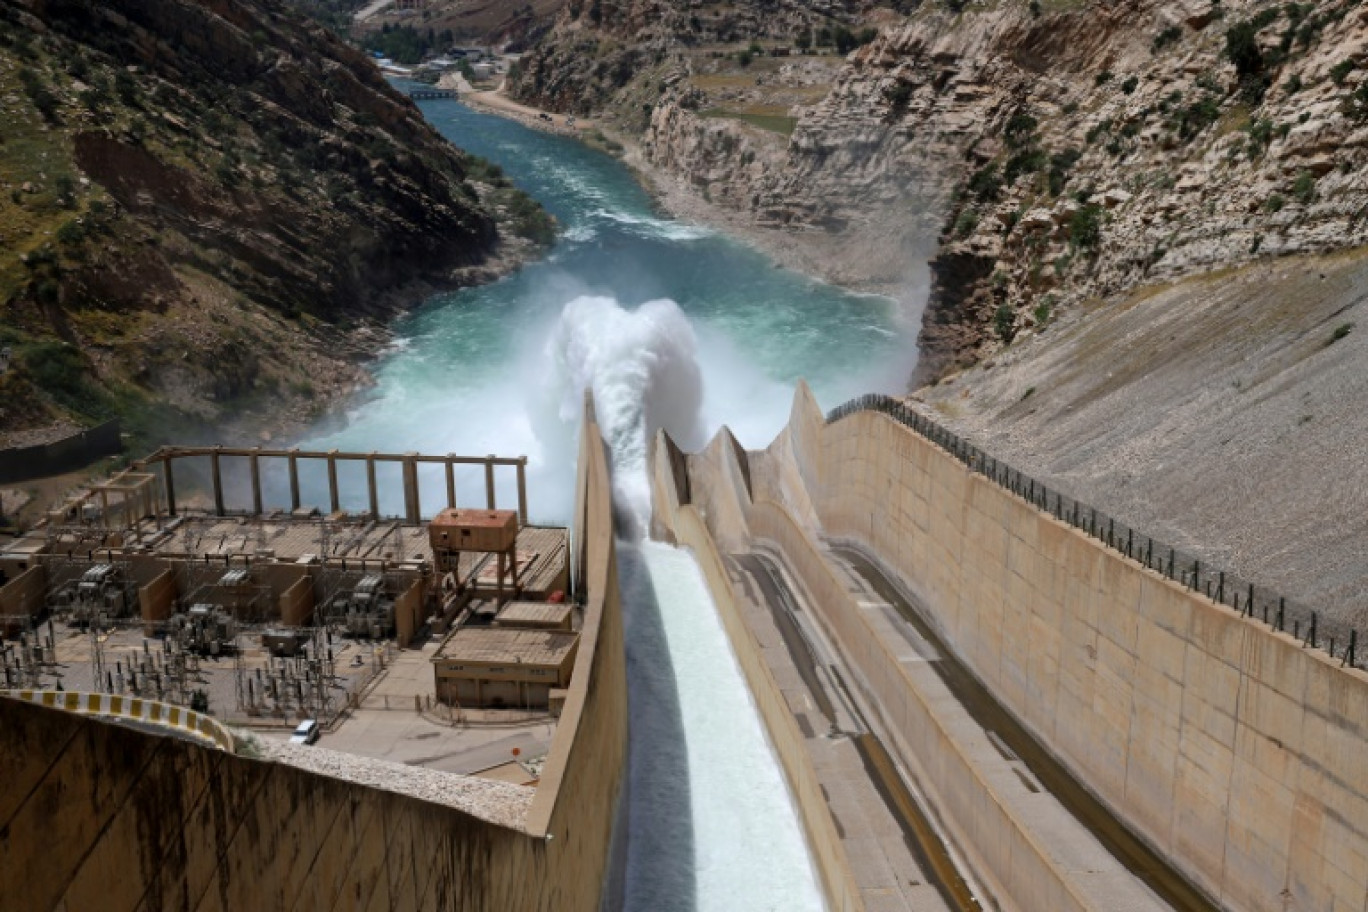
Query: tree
point(1004, 321)
point(1242, 47)
point(1085, 226)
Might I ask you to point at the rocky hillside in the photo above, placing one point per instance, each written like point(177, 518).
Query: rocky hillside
point(1047, 153)
point(207, 208)
point(621, 55)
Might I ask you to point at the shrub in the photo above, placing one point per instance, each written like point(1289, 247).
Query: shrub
point(1274, 203)
point(1260, 135)
point(1060, 165)
point(898, 95)
point(1130, 85)
point(1293, 85)
point(60, 371)
point(126, 87)
point(1340, 71)
point(70, 233)
point(38, 93)
point(1004, 322)
point(1085, 226)
point(1197, 116)
point(1242, 47)
point(1025, 161)
point(1020, 129)
point(1041, 312)
point(1102, 78)
point(966, 222)
point(66, 190)
point(1340, 332)
point(1167, 37)
point(985, 183)
point(1304, 187)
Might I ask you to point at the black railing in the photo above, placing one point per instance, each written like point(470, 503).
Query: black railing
point(1334, 636)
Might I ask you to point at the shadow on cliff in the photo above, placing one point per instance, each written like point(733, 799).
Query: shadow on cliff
point(655, 841)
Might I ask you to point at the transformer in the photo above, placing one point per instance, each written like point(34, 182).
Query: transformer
point(204, 629)
point(100, 590)
point(365, 611)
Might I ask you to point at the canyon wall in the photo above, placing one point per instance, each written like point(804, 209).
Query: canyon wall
point(1045, 155)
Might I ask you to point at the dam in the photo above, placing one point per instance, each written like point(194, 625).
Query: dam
point(715, 780)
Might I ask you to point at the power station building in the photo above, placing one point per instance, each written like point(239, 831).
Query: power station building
point(504, 667)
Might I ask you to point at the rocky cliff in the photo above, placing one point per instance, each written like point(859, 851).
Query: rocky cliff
point(208, 208)
point(1048, 153)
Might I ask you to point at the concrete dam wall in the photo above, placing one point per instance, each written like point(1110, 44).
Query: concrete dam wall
point(97, 816)
point(1233, 751)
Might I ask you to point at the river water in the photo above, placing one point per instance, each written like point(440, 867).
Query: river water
point(671, 326)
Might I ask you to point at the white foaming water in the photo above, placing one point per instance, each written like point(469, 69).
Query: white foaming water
point(710, 823)
point(642, 369)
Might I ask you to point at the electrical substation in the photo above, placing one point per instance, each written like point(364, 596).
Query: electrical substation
point(262, 615)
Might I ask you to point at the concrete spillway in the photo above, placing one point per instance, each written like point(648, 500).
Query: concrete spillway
point(673, 327)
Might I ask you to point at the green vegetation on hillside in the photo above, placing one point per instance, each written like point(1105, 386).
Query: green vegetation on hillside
point(405, 44)
point(188, 234)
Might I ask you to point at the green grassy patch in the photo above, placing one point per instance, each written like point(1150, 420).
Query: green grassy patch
point(782, 124)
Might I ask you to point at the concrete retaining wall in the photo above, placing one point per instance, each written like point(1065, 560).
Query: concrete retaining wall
point(97, 816)
point(190, 723)
point(1000, 845)
point(65, 455)
point(1235, 751)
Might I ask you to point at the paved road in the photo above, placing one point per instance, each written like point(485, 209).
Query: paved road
point(370, 9)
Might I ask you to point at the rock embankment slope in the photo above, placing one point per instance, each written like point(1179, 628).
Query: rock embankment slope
point(209, 210)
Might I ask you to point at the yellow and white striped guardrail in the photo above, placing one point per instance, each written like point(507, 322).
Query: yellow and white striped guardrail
point(182, 720)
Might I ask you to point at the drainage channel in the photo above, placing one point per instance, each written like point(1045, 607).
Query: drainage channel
point(919, 835)
point(991, 716)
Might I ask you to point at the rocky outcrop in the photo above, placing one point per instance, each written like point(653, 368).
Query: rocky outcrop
point(209, 209)
point(1046, 157)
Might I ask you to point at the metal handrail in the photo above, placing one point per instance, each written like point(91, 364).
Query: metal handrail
point(1337, 638)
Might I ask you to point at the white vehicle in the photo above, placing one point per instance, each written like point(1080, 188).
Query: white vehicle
point(306, 732)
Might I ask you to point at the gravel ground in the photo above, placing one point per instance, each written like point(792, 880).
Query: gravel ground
point(1226, 415)
point(496, 802)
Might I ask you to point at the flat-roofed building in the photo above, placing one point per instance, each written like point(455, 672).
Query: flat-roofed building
point(503, 667)
point(537, 616)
